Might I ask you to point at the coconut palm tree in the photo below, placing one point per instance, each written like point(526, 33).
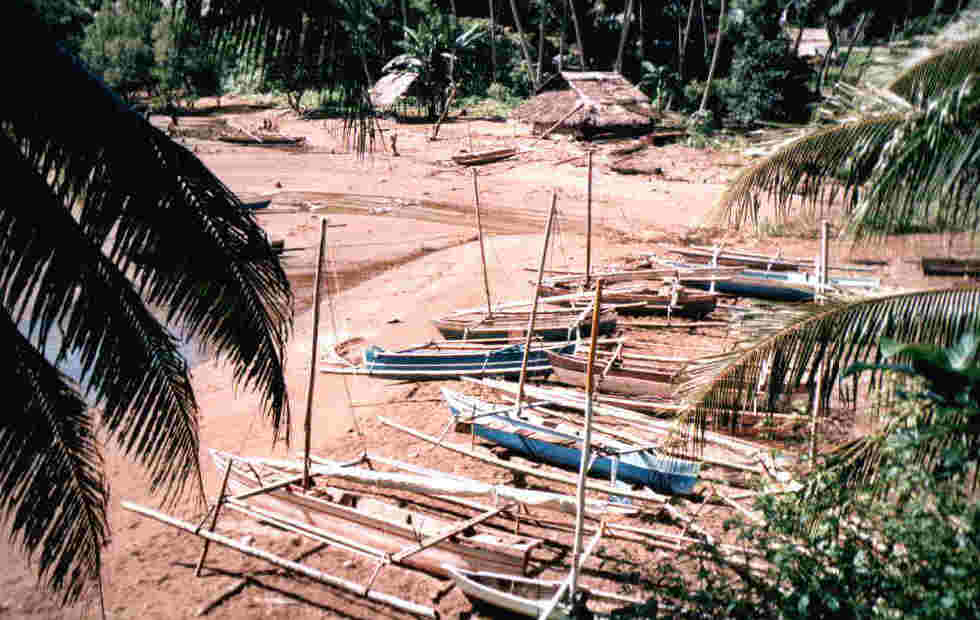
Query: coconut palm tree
point(911, 164)
point(112, 237)
point(815, 357)
point(915, 166)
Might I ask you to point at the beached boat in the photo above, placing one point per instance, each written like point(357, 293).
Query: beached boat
point(263, 140)
point(368, 525)
point(938, 266)
point(787, 286)
point(644, 297)
point(734, 257)
point(523, 595)
point(771, 285)
point(508, 323)
point(625, 371)
point(558, 444)
point(484, 157)
point(442, 360)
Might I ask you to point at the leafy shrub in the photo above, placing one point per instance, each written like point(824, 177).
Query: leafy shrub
point(767, 81)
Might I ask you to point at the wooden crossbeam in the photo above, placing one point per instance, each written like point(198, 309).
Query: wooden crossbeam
point(438, 537)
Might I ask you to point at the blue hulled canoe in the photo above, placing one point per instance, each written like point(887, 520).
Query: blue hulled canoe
point(535, 438)
point(445, 360)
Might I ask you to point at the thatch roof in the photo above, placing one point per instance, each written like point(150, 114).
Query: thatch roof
point(389, 88)
point(608, 103)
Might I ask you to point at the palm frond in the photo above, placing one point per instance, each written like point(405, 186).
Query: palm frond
point(932, 175)
point(51, 486)
point(54, 277)
point(825, 344)
point(813, 170)
point(939, 72)
point(165, 219)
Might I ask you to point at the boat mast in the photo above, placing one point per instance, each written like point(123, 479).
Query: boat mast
point(588, 226)
point(483, 256)
point(308, 421)
point(578, 557)
point(534, 304)
point(586, 443)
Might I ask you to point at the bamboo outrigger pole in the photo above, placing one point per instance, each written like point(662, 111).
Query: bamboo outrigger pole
point(308, 421)
point(296, 567)
point(483, 256)
point(534, 304)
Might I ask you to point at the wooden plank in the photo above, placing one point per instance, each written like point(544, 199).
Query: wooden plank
point(452, 531)
point(266, 489)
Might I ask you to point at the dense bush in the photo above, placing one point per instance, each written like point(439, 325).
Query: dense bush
point(119, 47)
point(767, 81)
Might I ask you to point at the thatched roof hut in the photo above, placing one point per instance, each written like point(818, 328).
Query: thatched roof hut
point(590, 103)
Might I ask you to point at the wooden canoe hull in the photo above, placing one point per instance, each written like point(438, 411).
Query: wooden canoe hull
point(759, 288)
point(493, 362)
point(484, 157)
point(950, 266)
point(527, 597)
point(661, 474)
point(692, 305)
point(626, 381)
point(387, 528)
point(548, 328)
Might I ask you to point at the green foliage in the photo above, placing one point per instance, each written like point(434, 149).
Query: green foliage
point(907, 546)
point(914, 558)
point(661, 84)
point(119, 45)
point(65, 20)
point(183, 68)
point(436, 49)
point(767, 81)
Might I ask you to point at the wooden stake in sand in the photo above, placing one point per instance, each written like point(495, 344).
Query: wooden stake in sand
point(445, 111)
point(214, 521)
point(588, 226)
point(308, 421)
point(534, 304)
point(483, 256)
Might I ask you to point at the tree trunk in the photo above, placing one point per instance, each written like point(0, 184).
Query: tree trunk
point(452, 41)
point(524, 50)
point(541, 18)
point(622, 37)
point(578, 35)
point(850, 47)
point(404, 21)
point(493, 44)
point(641, 30)
point(682, 52)
point(704, 26)
point(714, 58)
point(561, 37)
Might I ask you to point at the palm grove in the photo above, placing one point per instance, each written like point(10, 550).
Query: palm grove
point(100, 236)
